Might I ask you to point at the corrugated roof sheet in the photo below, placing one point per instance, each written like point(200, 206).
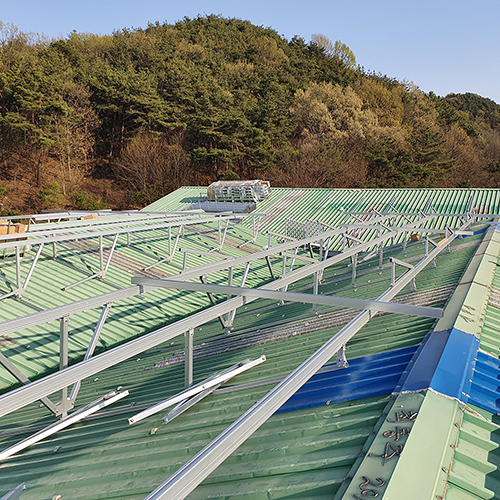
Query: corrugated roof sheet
point(299, 454)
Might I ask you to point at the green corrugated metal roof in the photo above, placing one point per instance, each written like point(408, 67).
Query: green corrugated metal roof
point(302, 454)
point(474, 474)
point(133, 316)
point(311, 460)
point(330, 205)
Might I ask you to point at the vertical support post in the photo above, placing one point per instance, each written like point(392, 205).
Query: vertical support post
point(448, 247)
point(380, 249)
point(283, 270)
point(393, 273)
point(341, 359)
point(63, 361)
point(242, 284)
point(108, 262)
point(354, 261)
point(327, 248)
point(32, 268)
point(426, 246)
point(188, 358)
point(169, 238)
point(101, 254)
point(311, 253)
point(54, 250)
point(405, 242)
point(18, 269)
point(91, 348)
point(290, 269)
point(268, 260)
point(229, 283)
point(316, 291)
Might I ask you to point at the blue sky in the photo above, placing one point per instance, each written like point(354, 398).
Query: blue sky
point(441, 45)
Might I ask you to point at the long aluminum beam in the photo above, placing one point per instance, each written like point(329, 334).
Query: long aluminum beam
point(23, 396)
point(63, 423)
point(374, 305)
point(189, 476)
point(30, 238)
point(15, 493)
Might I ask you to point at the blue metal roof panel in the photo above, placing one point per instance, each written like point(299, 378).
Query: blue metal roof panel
point(422, 366)
point(454, 371)
point(366, 376)
point(485, 388)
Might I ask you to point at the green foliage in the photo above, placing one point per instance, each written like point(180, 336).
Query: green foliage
point(51, 196)
point(332, 110)
point(84, 201)
point(477, 107)
point(422, 162)
point(7, 212)
point(228, 175)
point(450, 114)
point(211, 97)
point(389, 164)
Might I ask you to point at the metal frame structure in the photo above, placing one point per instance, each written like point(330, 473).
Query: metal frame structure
point(111, 226)
point(356, 241)
point(20, 397)
point(183, 481)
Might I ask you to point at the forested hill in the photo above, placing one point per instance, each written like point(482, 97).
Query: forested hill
point(123, 119)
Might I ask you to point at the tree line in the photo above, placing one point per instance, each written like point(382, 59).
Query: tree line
point(119, 120)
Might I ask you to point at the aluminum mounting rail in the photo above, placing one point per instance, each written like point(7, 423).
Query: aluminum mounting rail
point(36, 238)
point(22, 396)
point(191, 474)
point(84, 412)
point(105, 229)
point(435, 214)
point(112, 220)
point(196, 389)
point(374, 305)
